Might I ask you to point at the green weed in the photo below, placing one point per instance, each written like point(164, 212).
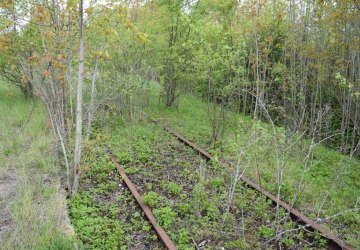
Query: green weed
point(151, 198)
point(165, 216)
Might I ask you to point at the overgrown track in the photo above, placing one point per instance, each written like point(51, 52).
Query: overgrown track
point(333, 241)
point(159, 230)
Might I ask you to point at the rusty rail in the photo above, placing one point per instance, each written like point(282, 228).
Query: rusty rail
point(333, 242)
point(159, 230)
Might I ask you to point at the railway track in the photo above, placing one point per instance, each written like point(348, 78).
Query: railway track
point(333, 242)
point(159, 230)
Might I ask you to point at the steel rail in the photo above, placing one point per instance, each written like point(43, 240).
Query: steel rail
point(159, 230)
point(333, 241)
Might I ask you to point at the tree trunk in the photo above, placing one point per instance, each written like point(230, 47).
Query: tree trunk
point(77, 150)
point(92, 99)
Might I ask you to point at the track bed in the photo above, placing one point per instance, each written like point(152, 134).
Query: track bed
point(191, 198)
point(200, 204)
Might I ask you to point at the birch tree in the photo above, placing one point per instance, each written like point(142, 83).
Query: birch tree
point(79, 96)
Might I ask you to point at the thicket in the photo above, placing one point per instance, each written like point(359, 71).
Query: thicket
point(291, 63)
point(298, 60)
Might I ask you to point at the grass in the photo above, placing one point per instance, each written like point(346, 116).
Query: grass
point(32, 205)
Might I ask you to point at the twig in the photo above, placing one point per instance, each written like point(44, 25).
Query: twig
point(29, 117)
point(311, 224)
point(196, 245)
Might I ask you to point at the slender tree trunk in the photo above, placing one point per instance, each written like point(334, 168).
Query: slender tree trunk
point(214, 135)
point(355, 128)
point(92, 100)
point(208, 101)
point(69, 77)
point(343, 103)
point(77, 150)
point(257, 64)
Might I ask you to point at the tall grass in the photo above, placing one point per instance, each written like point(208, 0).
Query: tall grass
point(32, 205)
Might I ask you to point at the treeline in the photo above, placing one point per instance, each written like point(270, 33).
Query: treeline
point(296, 63)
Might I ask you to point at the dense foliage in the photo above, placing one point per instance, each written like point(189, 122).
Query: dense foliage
point(298, 62)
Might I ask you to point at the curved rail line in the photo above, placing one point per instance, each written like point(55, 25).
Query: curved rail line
point(333, 241)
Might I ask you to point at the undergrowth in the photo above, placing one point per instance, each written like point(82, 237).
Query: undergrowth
point(32, 205)
point(104, 213)
point(189, 197)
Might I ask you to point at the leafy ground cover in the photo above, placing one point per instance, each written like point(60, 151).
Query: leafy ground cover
point(189, 197)
point(104, 213)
